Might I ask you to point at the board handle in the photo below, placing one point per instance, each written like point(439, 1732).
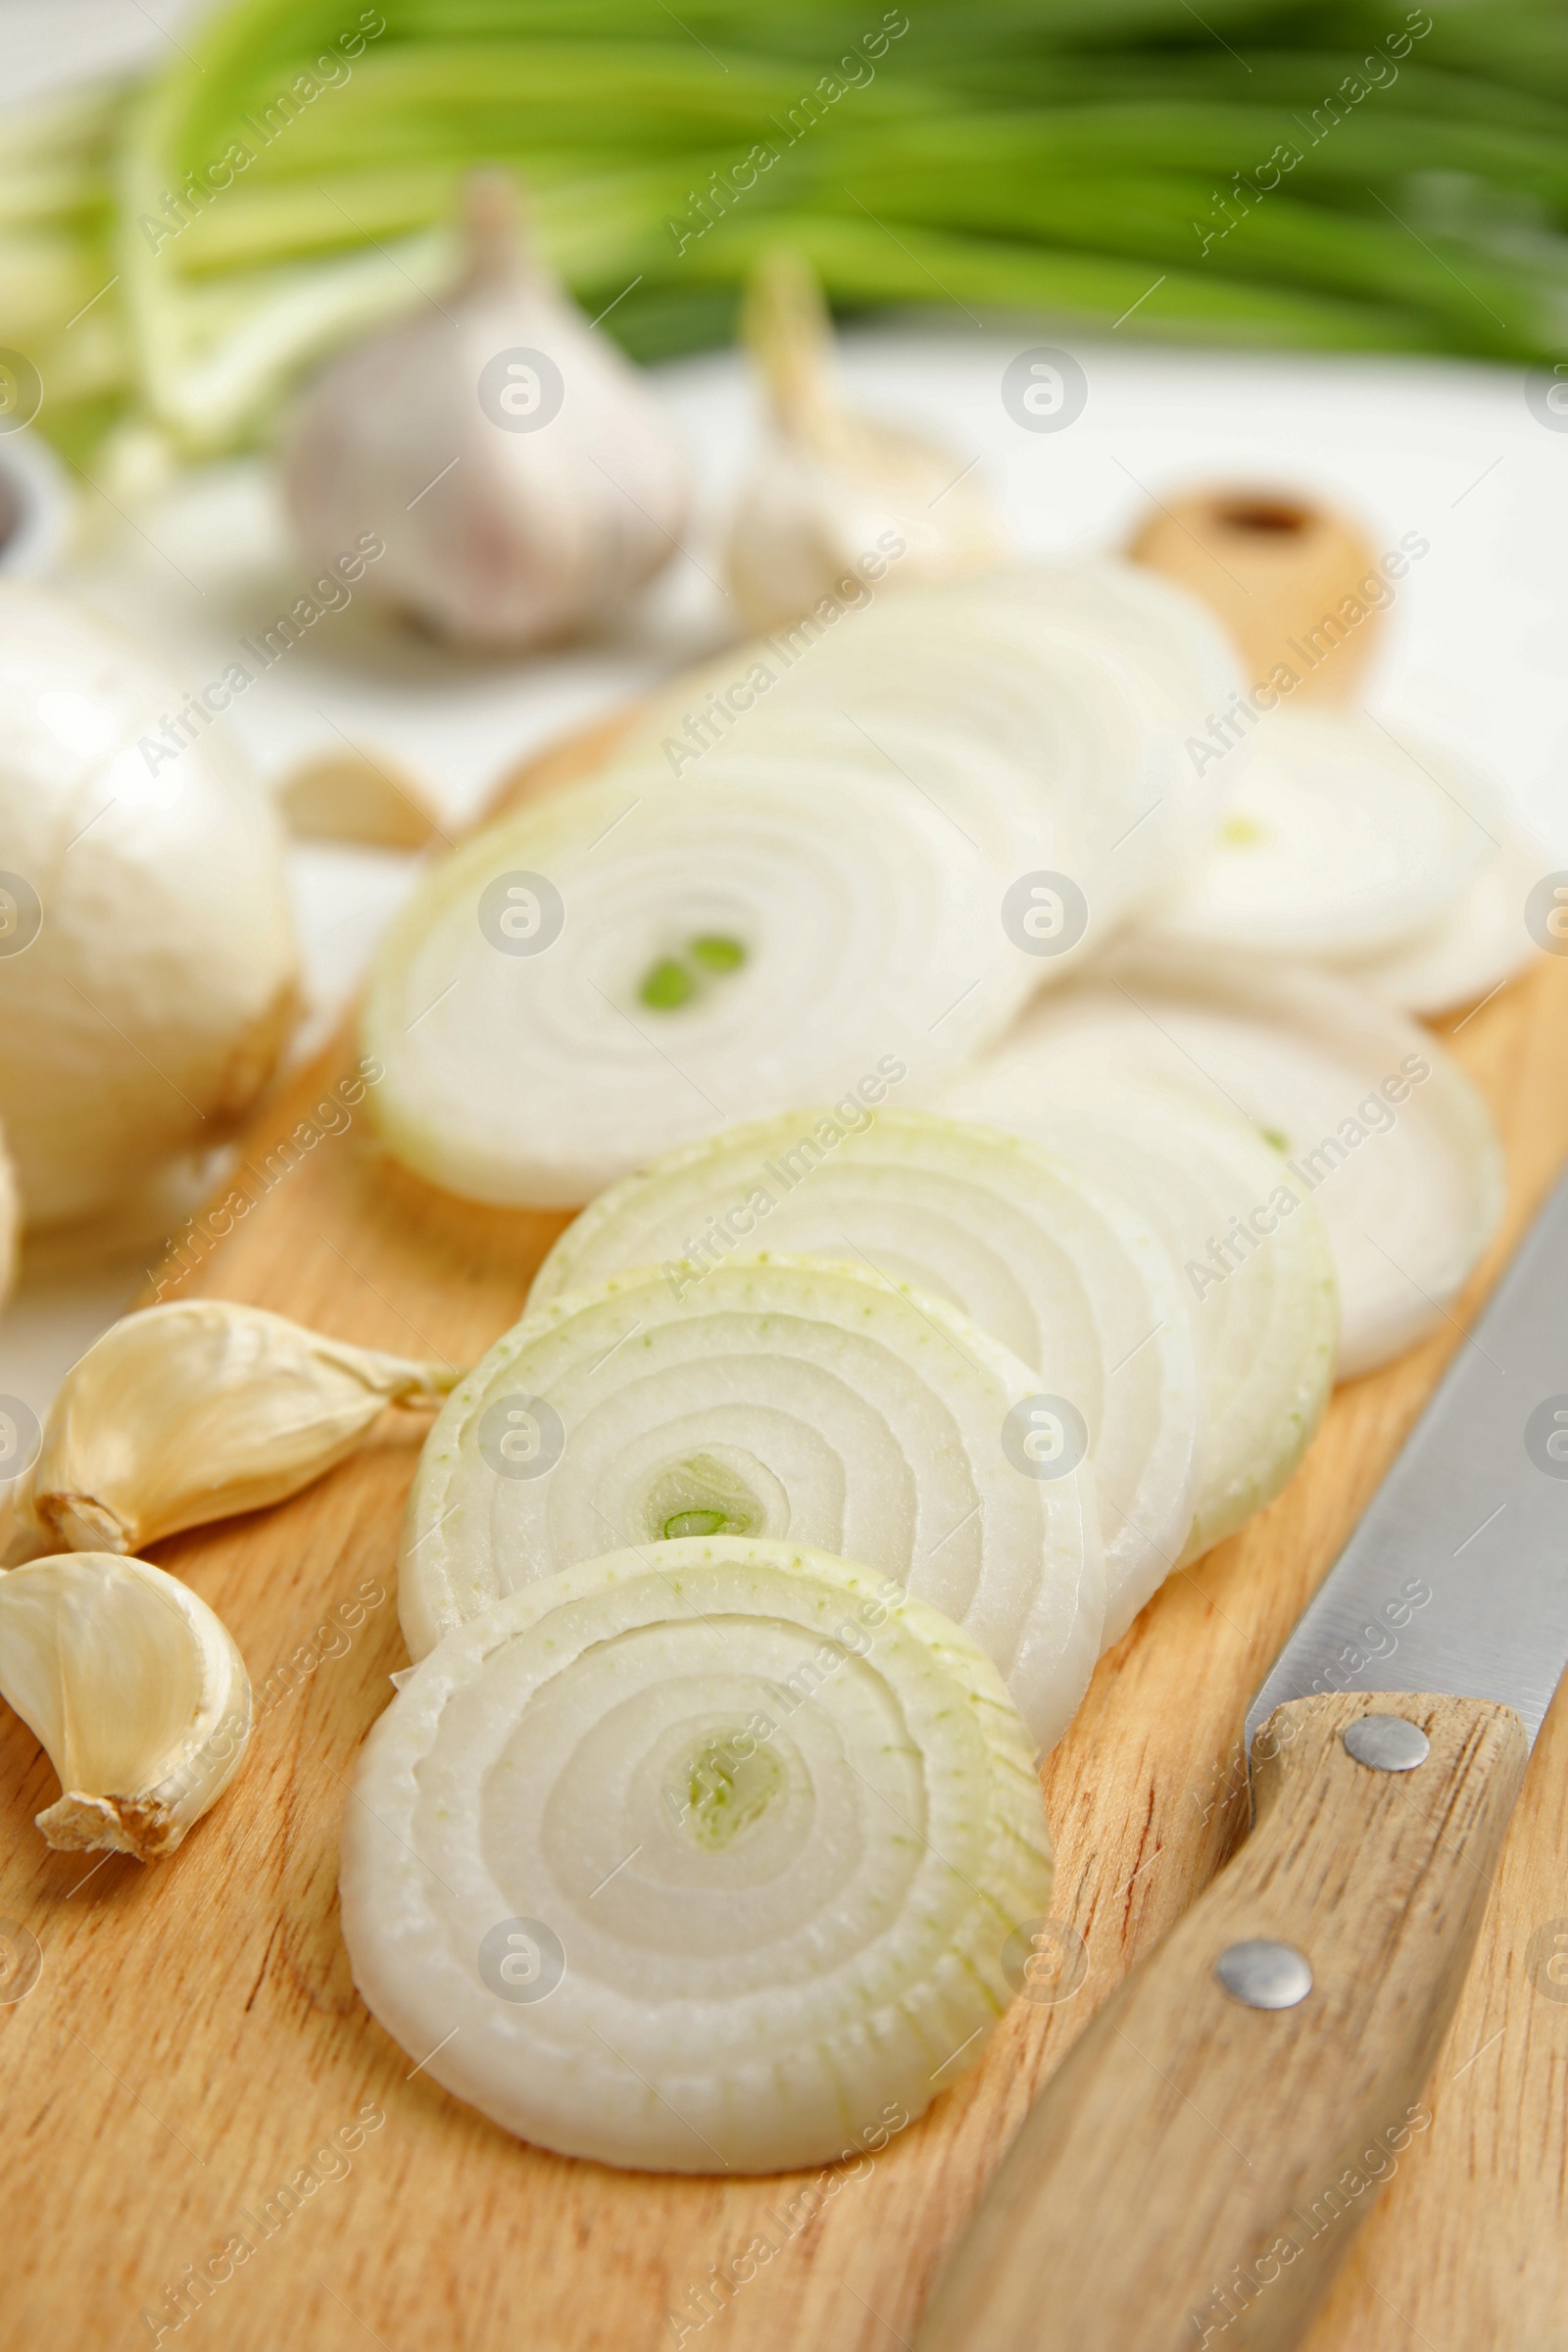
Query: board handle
point(1193, 2173)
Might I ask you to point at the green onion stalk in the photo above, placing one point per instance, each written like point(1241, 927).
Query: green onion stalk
point(1350, 178)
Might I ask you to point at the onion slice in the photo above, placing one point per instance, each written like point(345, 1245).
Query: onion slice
point(778, 1397)
point(700, 1858)
point(1377, 1126)
point(1076, 1283)
point(1264, 1334)
point(1046, 714)
point(1481, 940)
point(632, 963)
point(1344, 837)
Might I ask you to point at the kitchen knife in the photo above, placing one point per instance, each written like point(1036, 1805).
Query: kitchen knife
point(1193, 2173)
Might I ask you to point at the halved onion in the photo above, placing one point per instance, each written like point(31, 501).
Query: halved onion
point(1264, 1331)
point(1379, 1127)
point(778, 1397)
point(1072, 1280)
point(1344, 838)
point(701, 1858)
point(636, 961)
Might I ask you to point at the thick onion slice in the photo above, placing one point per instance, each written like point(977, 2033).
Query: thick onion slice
point(772, 1398)
point(1050, 1262)
point(1264, 1334)
point(1047, 714)
point(1171, 635)
point(703, 1857)
point(1481, 940)
point(1377, 1126)
point(1344, 838)
point(1036, 752)
point(634, 962)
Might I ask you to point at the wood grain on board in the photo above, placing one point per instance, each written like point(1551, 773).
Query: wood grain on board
point(194, 2042)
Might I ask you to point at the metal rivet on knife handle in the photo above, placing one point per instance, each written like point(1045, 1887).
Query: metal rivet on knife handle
point(1265, 1976)
point(1386, 1743)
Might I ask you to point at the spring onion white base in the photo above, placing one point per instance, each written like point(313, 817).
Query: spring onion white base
point(1050, 1262)
point(775, 1398)
point(700, 1858)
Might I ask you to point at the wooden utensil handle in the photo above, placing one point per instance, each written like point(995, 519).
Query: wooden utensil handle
point(1194, 2172)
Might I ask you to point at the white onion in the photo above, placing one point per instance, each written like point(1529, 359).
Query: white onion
point(147, 958)
point(1265, 1336)
point(701, 1859)
point(525, 1061)
point(1045, 714)
point(1377, 1124)
point(778, 1396)
point(1058, 1268)
point(1477, 944)
point(1344, 838)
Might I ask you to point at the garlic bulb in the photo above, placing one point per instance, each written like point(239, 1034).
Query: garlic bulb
point(200, 1408)
point(147, 956)
point(135, 1690)
point(513, 461)
point(837, 499)
point(10, 1221)
point(700, 1858)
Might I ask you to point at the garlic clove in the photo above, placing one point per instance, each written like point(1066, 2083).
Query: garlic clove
point(515, 465)
point(135, 1690)
point(199, 1408)
point(344, 795)
point(20, 1536)
point(834, 493)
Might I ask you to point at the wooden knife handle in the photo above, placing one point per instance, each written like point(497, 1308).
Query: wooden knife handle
point(1193, 2173)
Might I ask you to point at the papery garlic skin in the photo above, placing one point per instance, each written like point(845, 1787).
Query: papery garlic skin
point(197, 1409)
point(137, 1691)
point(835, 498)
point(148, 966)
point(499, 530)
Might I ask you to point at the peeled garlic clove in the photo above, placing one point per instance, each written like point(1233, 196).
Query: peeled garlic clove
point(20, 1536)
point(200, 1408)
point(135, 1690)
point(515, 465)
point(835, 492)
point(345, 796)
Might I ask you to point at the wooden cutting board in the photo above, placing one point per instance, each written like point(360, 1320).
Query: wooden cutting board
point(194, 2043)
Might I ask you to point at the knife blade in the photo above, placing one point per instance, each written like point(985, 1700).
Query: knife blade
point(1475, 1510)
point(1195, 2171)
